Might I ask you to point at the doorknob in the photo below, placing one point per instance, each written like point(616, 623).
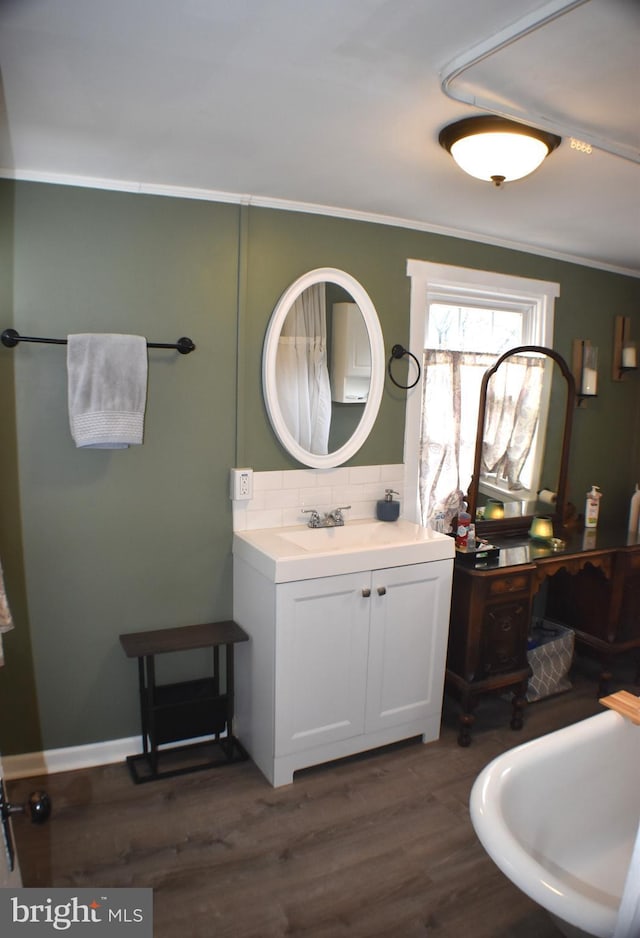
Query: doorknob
point(37, 807)
point(366, 592)
point(382, 590)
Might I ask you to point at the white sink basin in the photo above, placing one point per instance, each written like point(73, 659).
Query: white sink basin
point(347, 537)
point(301, 553)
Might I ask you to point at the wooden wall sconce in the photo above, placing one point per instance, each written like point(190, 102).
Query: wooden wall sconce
point(625, 353)
point(584, 366)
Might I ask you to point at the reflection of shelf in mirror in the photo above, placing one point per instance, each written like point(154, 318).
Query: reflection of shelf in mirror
point(492, 488)
point(350, 355)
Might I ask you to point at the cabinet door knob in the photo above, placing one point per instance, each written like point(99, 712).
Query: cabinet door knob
point(382, 590)
point(366, 592)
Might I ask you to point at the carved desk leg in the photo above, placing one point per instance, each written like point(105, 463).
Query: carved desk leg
point(518, 703)
point(606, 673)
point(466, 718)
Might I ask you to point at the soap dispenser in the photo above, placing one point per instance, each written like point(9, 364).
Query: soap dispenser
point(387, 509)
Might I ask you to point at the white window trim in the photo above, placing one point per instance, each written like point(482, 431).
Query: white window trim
point(428, 282)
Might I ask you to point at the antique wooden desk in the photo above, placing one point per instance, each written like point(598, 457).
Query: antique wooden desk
point(185, 709)
point(592, 585)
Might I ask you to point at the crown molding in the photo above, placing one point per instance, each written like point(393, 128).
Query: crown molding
point(308, 208)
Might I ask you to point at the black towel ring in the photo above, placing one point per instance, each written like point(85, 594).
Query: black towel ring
point(398, 351)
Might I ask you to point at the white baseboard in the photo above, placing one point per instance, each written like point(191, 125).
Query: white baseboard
point(28, 764)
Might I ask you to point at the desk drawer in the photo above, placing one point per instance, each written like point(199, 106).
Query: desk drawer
point(505, 585)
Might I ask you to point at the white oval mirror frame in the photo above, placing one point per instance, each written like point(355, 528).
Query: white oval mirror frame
point(269, 356)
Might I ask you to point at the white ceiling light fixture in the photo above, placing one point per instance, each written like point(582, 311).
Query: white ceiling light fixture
point(495, 149)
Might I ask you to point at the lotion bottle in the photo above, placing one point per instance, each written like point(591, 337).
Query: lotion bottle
point(592, 507)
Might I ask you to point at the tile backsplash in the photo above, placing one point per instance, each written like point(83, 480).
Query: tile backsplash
point(279, 497)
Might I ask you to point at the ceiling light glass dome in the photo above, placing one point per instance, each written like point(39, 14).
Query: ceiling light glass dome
point(495, 149)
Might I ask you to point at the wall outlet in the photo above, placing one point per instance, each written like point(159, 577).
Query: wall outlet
point(241, 484)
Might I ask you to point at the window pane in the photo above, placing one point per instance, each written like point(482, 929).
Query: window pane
point(473, 328)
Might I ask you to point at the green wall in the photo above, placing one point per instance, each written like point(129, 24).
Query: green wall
point(96, 543)
point(20, 726)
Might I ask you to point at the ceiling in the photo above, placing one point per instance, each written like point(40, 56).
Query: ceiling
point(335, 106)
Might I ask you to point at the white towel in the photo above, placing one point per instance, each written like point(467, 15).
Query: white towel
point(107, 388)
point(6, 622)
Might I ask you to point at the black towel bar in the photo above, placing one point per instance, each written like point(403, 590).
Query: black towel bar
point(10, 338)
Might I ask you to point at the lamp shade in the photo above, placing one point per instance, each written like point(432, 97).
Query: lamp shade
point(494, 510)
point(496, 149)
point(541, 529)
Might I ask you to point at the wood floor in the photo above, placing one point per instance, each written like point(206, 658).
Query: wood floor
point(379, 845)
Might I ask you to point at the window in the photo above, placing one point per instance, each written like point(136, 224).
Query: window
point(472, 328)
point(464, 319)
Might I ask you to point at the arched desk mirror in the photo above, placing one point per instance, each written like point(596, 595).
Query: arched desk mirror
point(527, 399)
point(323, 368)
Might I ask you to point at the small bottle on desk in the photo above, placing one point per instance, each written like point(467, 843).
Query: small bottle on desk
point(462, 530)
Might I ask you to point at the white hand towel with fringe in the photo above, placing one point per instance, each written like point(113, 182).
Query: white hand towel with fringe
point(107, 389)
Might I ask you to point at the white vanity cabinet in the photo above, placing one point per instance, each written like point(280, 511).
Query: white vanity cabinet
point(338, 664)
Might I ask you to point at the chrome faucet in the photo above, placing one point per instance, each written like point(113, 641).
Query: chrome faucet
point(335, 518)
point(314, 520)
point(331, 519)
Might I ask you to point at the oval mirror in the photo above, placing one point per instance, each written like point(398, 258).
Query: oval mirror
point(527, 399)
point(323, 368)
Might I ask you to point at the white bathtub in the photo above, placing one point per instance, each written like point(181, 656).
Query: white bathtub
point(559, 816)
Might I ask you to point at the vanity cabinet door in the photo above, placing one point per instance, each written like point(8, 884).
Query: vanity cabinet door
point(504, 636)
point(321, 660)
point(407, 643)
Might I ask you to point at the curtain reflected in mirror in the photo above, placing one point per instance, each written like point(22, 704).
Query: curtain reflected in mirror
point(302, 371)
point(498, 434)
point(323, 368)
point(510, 458)
point(523, 437)
point(524, 423)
